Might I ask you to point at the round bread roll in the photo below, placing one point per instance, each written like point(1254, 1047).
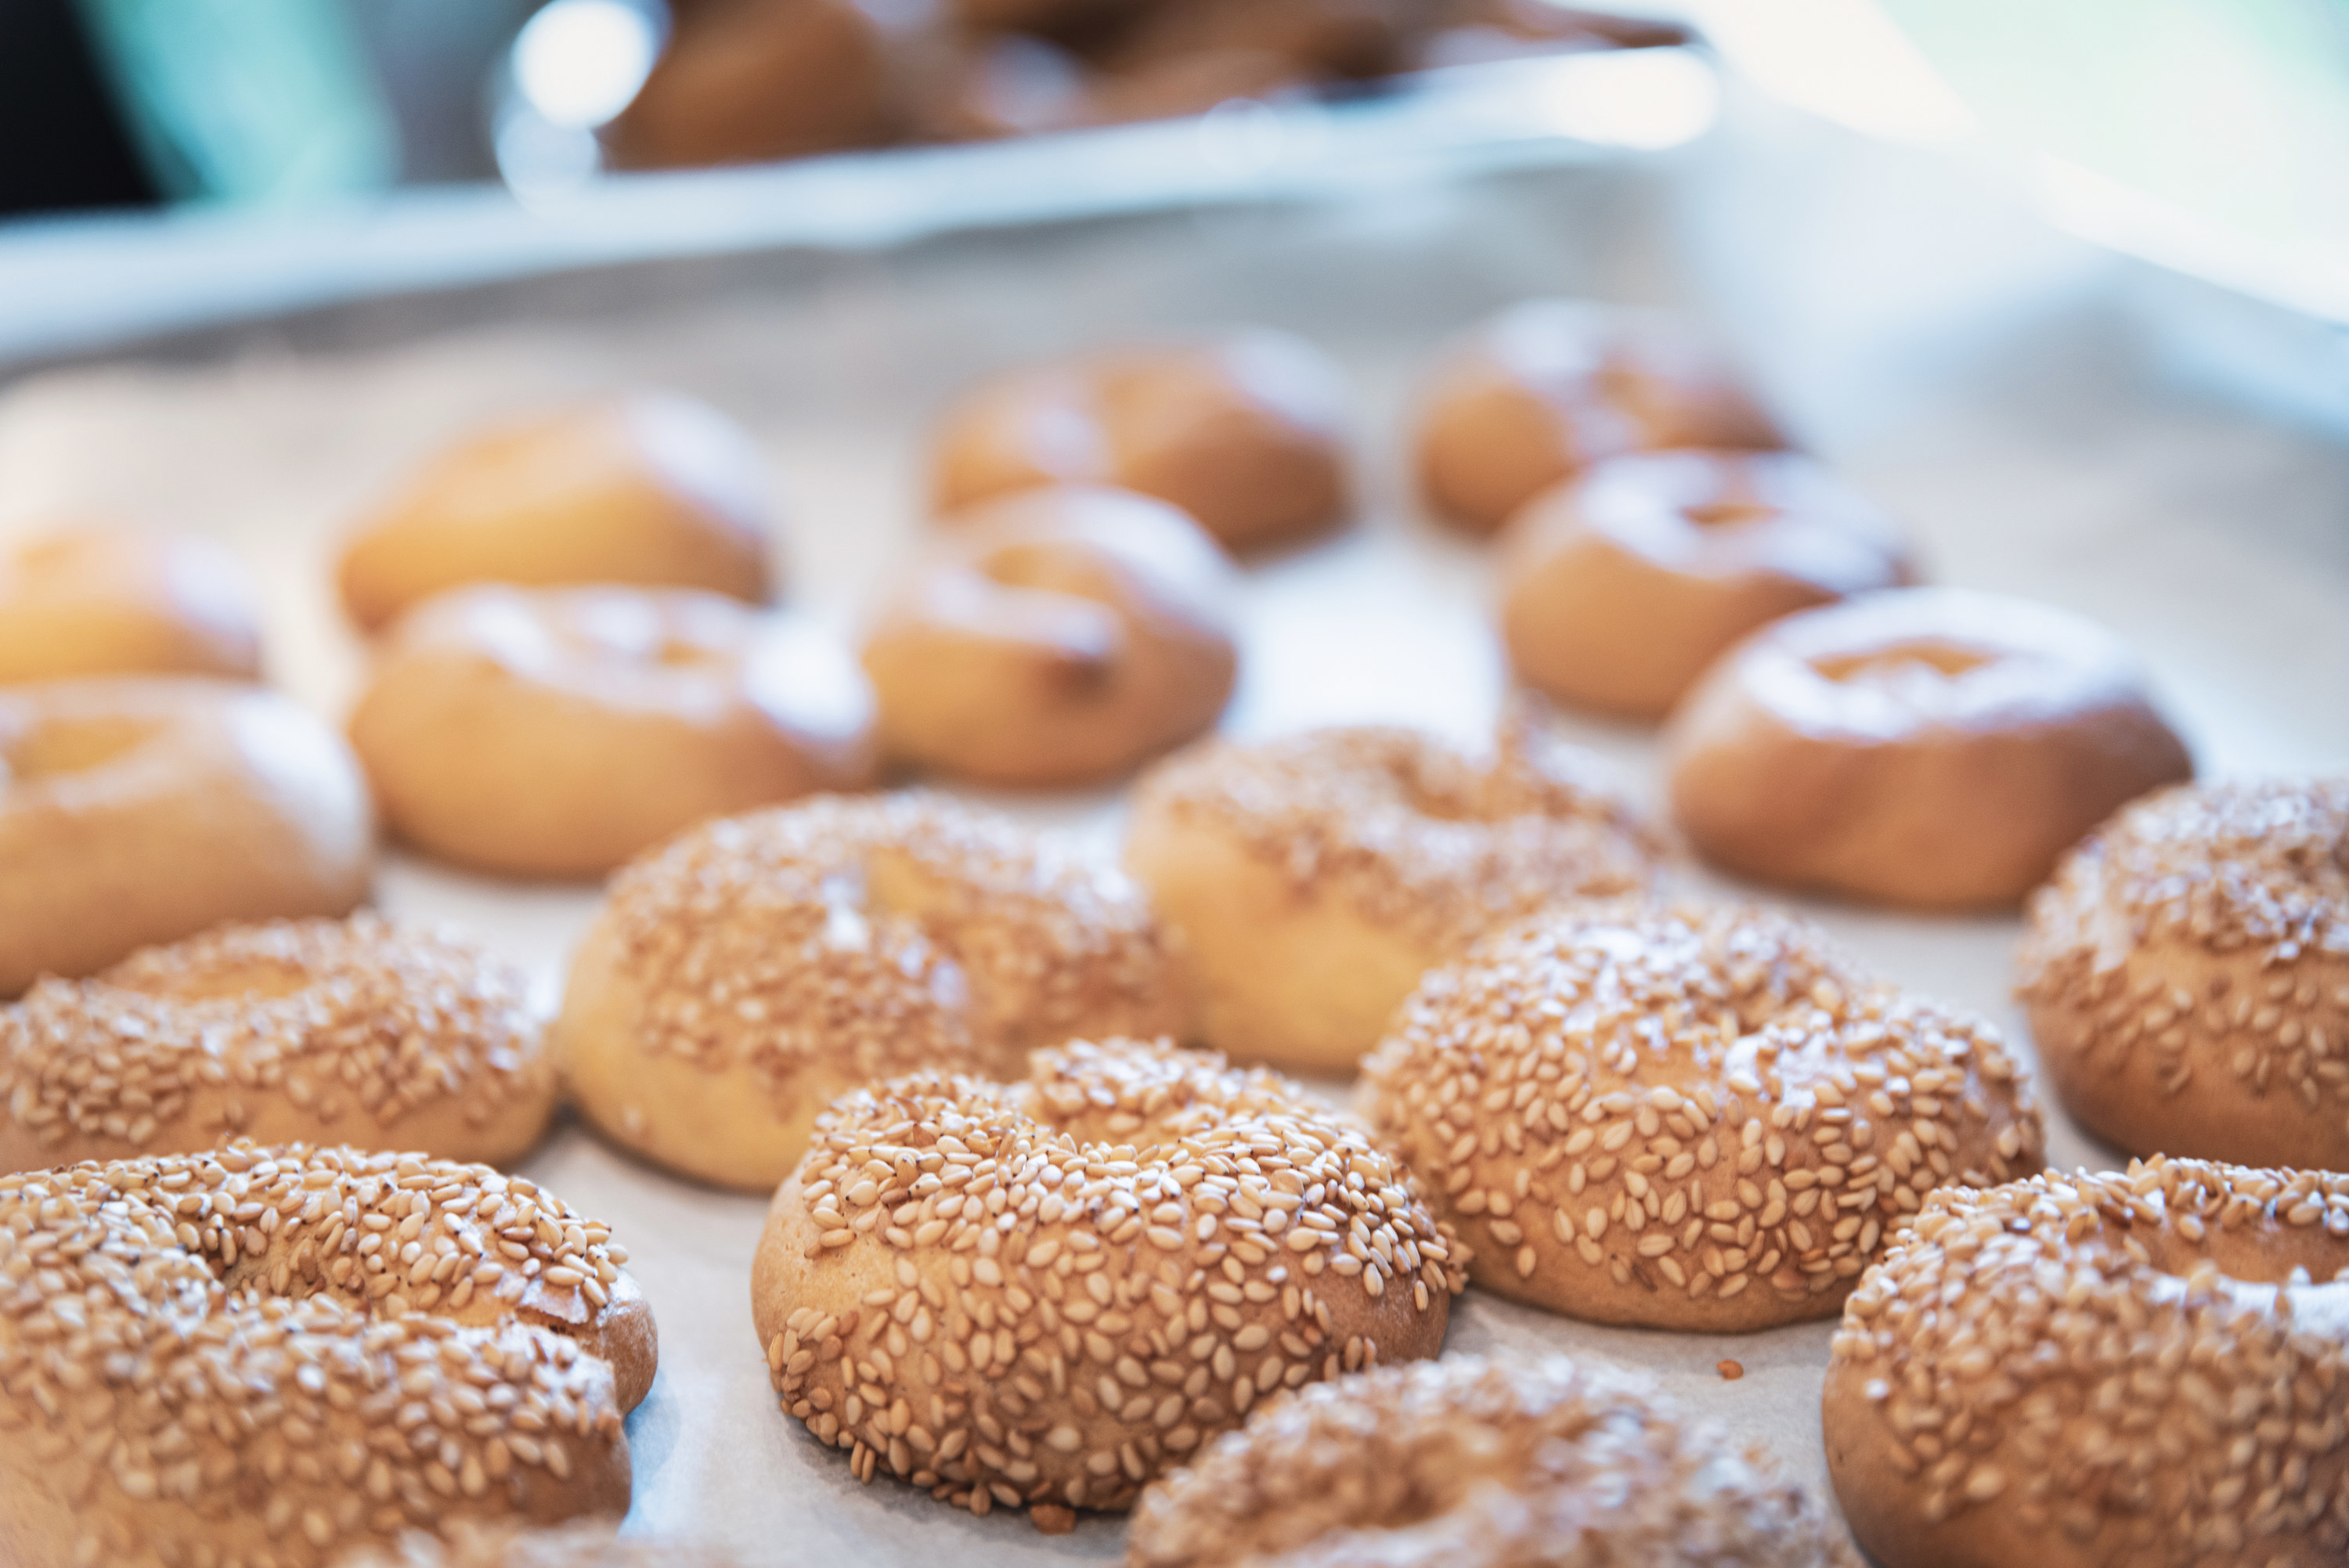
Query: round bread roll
point(2188, 974)
point(741, 977)
point(1699, 1120)
point(1551, 385)
point(2088, 1370)
point(1474, 1463)
point(1062, 637)
point(1930, 747)
point(650, 489)
point(1243, 431)
point(92, 598)
point(1311, 881)
point(229, 1357)
point(587, 1544)
point(1620, 586)
point(751, 82)
point(1175, 1240)
point(141, 810)
point(347, 1031)
point(555, 732)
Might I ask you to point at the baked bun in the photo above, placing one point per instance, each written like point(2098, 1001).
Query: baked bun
point(91, 599)
point(1701, 1119)
point(1474, 1463)
point(1056, 636)
point(2186, 973)
point(750, 83)
point(1243, 431)
point(281, 1355)
point(653, 489)
point(1547, 387)
point(141, 810)
point(1043, 1293)
point(1313, 880)
point(1623, 584)
point(297, 1031)
point(558, 731)
point(1930, 747)
point(2085, 1371)
point(744, 975)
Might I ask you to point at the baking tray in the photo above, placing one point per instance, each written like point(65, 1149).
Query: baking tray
point(2005, 407)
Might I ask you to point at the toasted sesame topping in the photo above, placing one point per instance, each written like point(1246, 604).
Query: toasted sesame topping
point(357, 1023)
point(2135, 1363)
point(2201, 938)
point(1471, 1463)
point(904, 931)
point(1642, 1115)
point(1045, 1292)
point(1414, 833)
point(341, 1344)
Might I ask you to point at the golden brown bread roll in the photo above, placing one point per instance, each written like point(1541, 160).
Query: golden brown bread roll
point(90, 598)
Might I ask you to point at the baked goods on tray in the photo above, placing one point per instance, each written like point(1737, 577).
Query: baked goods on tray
point(1928, 747)
point(1044, 1293)
point(1061, 635)
point(1622, 585)
point(319, 1031)
point(2186, 973)
point(555, 732)
point(1701, 1119)
point(2091, 1369)
point(137, 810)
point(284, 1353)
point(1312, 879)
point(650, 489)
point(1477, 1462)
point(744, 975)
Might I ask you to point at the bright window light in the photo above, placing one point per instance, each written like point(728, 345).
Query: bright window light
point(578, 62)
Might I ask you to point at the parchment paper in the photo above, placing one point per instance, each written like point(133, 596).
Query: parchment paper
point(2004, 407)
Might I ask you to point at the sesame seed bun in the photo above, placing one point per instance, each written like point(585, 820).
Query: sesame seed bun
point(255, 1369)
point(1926, 747)
point(555, 732)
point(1176, 1240)
point(1313, 879)
point(2186, 973)
point(652, 489)
point(1698, 1118)
point(1062, 637)
point(1243, 431)
point(1474, 1463)
point(138, 809)
point(744, 975)
point(2085, 1371)
point(352, 1031)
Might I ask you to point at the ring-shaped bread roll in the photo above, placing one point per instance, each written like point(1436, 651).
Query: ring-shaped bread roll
point(94, 599)
point(1550, 387)
point(355, 1032)
point(1044, 1293)
point(1468, 1462)
point(1058, 635)
point(652, 489)
point(1699, 1120)
point(1932, 747)
point(1313, 880)
point(2085, 1371)
point(557, 731)
point(1243, 431)
point(281, 1354)
point(2188, 974)
point(141, 809)
point(744, 975)
point(1623, 584)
